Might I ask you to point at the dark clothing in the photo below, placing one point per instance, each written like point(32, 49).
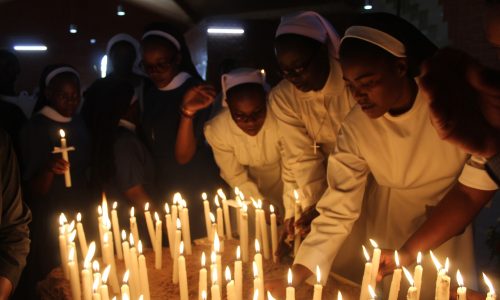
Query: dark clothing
point(14, 232)
point(12, 119)
point(493, 168)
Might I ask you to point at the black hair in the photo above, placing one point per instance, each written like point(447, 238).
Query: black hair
point(418, 46)
point(292, 38)
point(9, 70)
point(186, 62)
point(245, 88)
point(42, 99)
point(113, 97)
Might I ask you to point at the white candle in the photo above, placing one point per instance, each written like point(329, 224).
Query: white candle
point(218, 258)
point(63, 247)
point(175, 212)
point(206, 213)
point(96, 274)
point(443, 280)
point(175, 270)
point(258, 234)
point(258, 281)
point(170, 229)
point(202, 283)
point(461, 290)
point(264, 233)
point(491, 291)
point(412, 293)
point(158, 242)
point(149, 224)
point(100, 224)
point(134, 281)
point(238, 207)
point(109, 259)
point(214, 227)
point(87, 273)
point(238, 274)
point(297, 215)
point(367, 276)
point(396, 279)
point(64, 151)
point(274, 234)
point(227, 216)
point(125, 288)
point(339, 296)
point(258, 259)
point(186, 229)
point(220, 218)
point(81, 235)
point(290, 290)
point(375, 263)
point(116, 230)
point(244, 233)
point(143, 274)
point(96, 295)
point(215, 290)
point(230, 289)
point(373, 296)
point(417, 274)
point(318, 288)
point(133, 224)
point(183, 284)
point(213, 265)
point(74, 277)
point(104, 287)
point(126, 250)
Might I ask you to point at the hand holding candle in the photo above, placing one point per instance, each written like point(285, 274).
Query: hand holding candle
point(64, 149)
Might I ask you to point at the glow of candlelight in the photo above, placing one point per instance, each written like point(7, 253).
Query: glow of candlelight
point(238, 253)
point(212, 218)
point(244, 208)
point(396, 258)
point(124, 235)
point(105, 274)
point(436, 261)
point(257, 246)
point(296, 195)
point(204, 295)
point(125, 277)
point(255, 269)
point(269, 296)
point(271, 208)
point(203, 259)
point(374, 244)
point(213, 258)
point(99, 210)
point(256, 294)
point(289, 277)
point(365, 252)
point(177, 198)
point(228, 274)
point(71, 226)
point(72, 236)
point(181, 248)
point(221, 194)
point(460, 279)
point(105, 239)
point(178, 224)
point(131, 240)
point(62, 219)
point(419, 258)
point(373, 295)
point(216, 201)
point(78, 217)
point(408, 276)
point(204, 196)
point(489, 284)
point(146, 206)
point(89, 256)
point(62, 133)
point(167, 209)
point(446, 265)
point(318, 275)
point(115, 205)
point(95, 266)
point(339, 296)
point(139, 247)
point(132, 212)
point(71, 255)
point(157, 217)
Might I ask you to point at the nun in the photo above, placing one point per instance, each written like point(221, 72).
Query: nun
point(389, 136)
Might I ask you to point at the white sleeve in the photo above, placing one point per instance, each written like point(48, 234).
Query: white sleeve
point(307, 168)
point(474, 175)
point(338, 209)
point(289, 184)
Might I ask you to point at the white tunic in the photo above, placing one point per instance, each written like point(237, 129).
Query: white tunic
point(251, 163)
point(413, 169)
point(308, 117)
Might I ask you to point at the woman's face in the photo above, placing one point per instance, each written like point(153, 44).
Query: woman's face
point(305, 66)
point(63, 94)
point(376, 83)
point(160, 62)
point(248, 110)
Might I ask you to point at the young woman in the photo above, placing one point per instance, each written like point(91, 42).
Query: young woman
point(388, 135)
point(175, 110)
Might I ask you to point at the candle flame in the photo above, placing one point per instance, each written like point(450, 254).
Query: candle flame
point(204, 196)
point(132, 212)
point(419, 258)
point(259, 203)
point(78, 217)
point(203, 259)
point(181, 248)
point(105, 274)
point(244, 208)
point(115, 205)
point(139, 246)
point(167, 209)
point(221, 194)
point(124, 235)
point(104, 206)
point(396, 258)
point(460, 279)
point(255, 269)
point(178, 224)
point(242, 196)
point(216, 243)
point(99, 210)
point(365, 252)
point(125, 277)
point(216, 201)
point(62, 133)
point(212, 218)
point(269, 296)
point(125, 297)
point(408, 276)
point(105, 238)
point(374, 244)
point(89, 256)
point(95, 266)
point(214, 276)
point(255, 204)
point(237, 191)
point(141, 297)
point(339, 296)
point(489, 284)
point(446, 265)
point(296, 195)
point(95, 285)
point(131, 239)
point(71, 226)
point(62, 219)
point(71, 255)
point(257, 246)
point(213, 258)
point(238, 253)
point(318, 275)
point(289, 277)
point(61, 230)
point(256, 294)
point(436, 261)
point(271, 209)
point(177, 198)
point(373, 295)
point(72, 236)
point(228, 274)
point(157, 217)
point(146, 206)
point(204, 295)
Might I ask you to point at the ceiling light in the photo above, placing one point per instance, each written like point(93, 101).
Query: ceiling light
point(93, 41)
point(217, 30)
point(30, 48)
point(120, 11)
point(368, 5)
point(72, 28)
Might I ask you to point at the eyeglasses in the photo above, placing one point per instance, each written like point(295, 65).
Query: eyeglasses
point(160, 67)
point(256, 115)
point(296, 72)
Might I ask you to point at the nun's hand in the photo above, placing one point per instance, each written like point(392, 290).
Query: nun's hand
point(58, 165)
point(388, 263)
point(286, 238)
point(198, 98)
point(304, 223)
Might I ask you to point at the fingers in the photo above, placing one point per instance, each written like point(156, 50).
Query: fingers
point(59, 166)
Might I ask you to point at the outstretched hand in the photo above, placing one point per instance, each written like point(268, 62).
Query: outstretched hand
point(57, 165)
point(198, 98)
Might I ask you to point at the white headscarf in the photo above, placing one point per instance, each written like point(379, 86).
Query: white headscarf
point(241, 76)
point(312, 25)
point(123, 37)
point(377, 38)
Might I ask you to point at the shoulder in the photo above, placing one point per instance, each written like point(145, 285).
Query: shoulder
point(218, 124)
point(281, 91)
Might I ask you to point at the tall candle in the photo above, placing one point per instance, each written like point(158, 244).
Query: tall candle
point(372, 293)
point(63, 247)
point(213, 265)
point(202, 283)
point(133, 224)
point(491, 291)
point(64, 151)
point(96, 295)
point(297, 214)
point(220, 219)
point(175, 211)
point(183, 284)
point(125, 288)
point(126, 250)
point(134, 281)
point(412, 293)
point(367, 276)
point(230, 289)
point(396, 279)
point(227, 216)
point(109, 259)
point(170, 229)
point(442, 281)
point(274, 234)
point(417, 274)
point(96, 274)
point(116, 231)
point(244, 233)
point(238, 274)
point(143, 274)
point(264, 233)
point(215, 290)
point(104, 287)
point(158, 242)
point(149, 225)
point(81, 235)
point(175, 269)
point(214, 227)
point(258, 234)
point(87, 273)
point(318, 288)
point(258, 281)
point(100, 224)
point(74, 277)
point(461, 290)
point(206, 212)
point(375, 263)
point(258, 259)
point(186, 229)
point(239, 203)
point(218, 258)
point(290, 290)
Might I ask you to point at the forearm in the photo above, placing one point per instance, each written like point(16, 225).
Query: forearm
point(5, 288)
point(455, 211)
point(185, 145)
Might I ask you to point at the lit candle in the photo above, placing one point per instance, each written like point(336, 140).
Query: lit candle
point(290, 290)
point(443, 280)
point(318, 288)
point(220, 218)
point(396, 279)
point(125, 288)
point(218, 258)
point(158, 243)
point(461, 290)
point(244, 233)
point(74, 277)
point(95, 290)
point(258, 259)
point(133, 224)
point(264, 233)
point(258, 281)
point(126, 250)
point(100, 224)
point(375, 263)
point(183, 284)
point(175, 270)
point(238, 274)
point(214, 227)
point(134, 281)
point(116, 230)
point(81, 235)
point(186, 230)
point(96, 274)
point(87, 273)
point(109, 259)
point(274, 234)
point(417, 274)
point(215, 290)
point(367, 276)
point(256, 294)
point(64, 149)
point(258, 234)
point(202, 283)
point(175, 211)
point(227, 216)
point(213, 265)
point(63, 247)
point(491, 291)
point(373, 295)
point(206, 213)
point(104, 287)
point(143, 274)
point(204, 295)
point(230, 289)
point(297, 214)
point(149, 224)
point(339, 296)
point(169, 227)
point(412, 293)
point(270, 296)
point(238, 208)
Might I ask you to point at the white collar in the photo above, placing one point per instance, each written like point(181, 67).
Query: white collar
point(176, 82)
point(54, 115)
point(127, 124)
